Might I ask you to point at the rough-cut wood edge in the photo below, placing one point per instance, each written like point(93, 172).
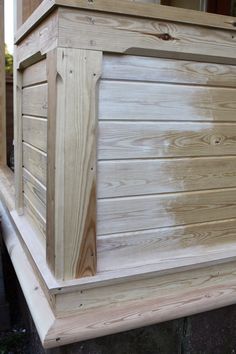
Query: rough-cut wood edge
point(153, 11)
point(71, 215)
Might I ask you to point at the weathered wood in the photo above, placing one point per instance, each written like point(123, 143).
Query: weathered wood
point(35, 192)
point(128, 67)
point(123, 140)
point(72, 194)
point(124, 34)
point(35, 161)
point(126, 7)
point(35, 74)
point(34, 215)
point(149, 176)
point(35, 132)
point(35, 100)
point(2, 89)
point(38, 42)
point(124, 100)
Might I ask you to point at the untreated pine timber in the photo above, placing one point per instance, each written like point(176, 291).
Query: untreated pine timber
point(71, 185)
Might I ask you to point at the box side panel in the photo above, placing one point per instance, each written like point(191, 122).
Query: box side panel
point(34, 143)
point(166, 161)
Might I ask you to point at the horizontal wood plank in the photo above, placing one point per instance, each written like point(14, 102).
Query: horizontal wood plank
point(122, 100)
point(35, 74)
point(139, 177)
point(118, 215)
point(35, 132)
point(137, 68)
point(123, 140)
point(35, 162)
point(34, 216)
point(137, 249)
point(35, 100)
point(124, 7)
point(130, 35)
point(35, 192)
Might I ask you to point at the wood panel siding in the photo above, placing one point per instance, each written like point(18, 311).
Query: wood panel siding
point(35, 161)
point(152, 101)
point(138, 68)
point(35, 101)
point(149, 176)
point(35, 74)
point(35, 132)
point(147, 212)
point(166, 160)
point(34, 143)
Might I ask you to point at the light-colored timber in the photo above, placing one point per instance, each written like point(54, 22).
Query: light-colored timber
point(35, 74)
point(34, 100)
point(123, 211)
point(73, 128)
point(35, 161)
point(35, 132)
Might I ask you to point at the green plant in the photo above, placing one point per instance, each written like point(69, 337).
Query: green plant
point(8, 61)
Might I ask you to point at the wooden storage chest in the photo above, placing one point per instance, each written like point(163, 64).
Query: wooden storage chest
point(125, 173)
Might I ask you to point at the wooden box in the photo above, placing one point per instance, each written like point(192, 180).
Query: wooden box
point(125, 150)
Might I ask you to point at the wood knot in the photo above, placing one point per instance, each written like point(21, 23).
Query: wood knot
point(165, 36)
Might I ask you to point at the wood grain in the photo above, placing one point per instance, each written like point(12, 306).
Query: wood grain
point(38, 42)
point(35, 100)
point(34, 216)
point(139, 177)
point(35, 192)
point(123, 140)
point(151, 101)
point(174, 245)
point(137, 68)
point(124, 7)
point(73, 192)
point(35, 132)
point(161, 288)
point(35, 74)
point(35, 161)
point(130, 35)
point(146, 212)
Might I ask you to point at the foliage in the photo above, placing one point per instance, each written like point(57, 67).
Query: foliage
point(8, 61)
